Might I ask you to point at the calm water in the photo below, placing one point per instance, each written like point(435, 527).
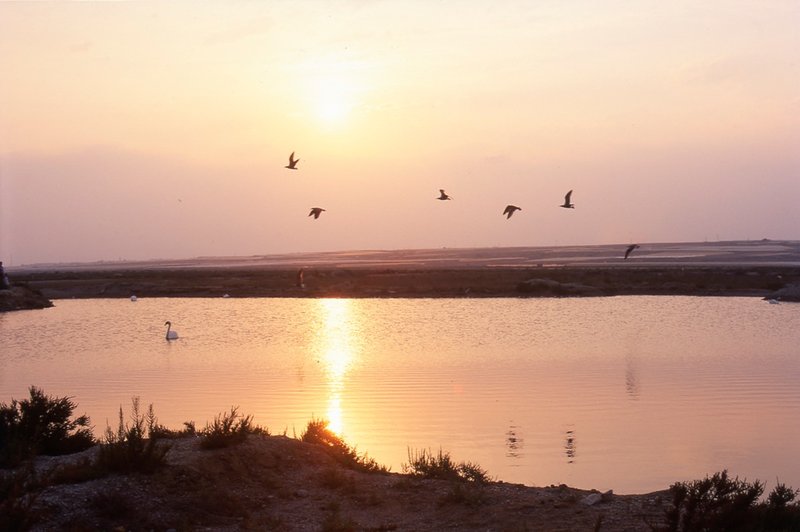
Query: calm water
point(623, 393)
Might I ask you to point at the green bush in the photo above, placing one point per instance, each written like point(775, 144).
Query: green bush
point(132, 447)
point(41, 425)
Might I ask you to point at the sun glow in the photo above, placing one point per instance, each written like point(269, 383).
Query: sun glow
point(333, 106)
point(334, 89)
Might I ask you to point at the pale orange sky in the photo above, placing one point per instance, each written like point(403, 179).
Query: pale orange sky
point(145, 130)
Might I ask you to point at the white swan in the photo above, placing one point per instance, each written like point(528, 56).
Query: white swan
point(171, 335)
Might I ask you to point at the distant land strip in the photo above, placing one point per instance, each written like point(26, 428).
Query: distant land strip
point(742, 268)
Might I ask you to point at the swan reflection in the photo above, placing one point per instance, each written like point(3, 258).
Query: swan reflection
point(514, 442)
point(569, 446)
point(631, 377)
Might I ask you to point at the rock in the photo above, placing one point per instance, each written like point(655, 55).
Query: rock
point(787, 293)
point(592, 499)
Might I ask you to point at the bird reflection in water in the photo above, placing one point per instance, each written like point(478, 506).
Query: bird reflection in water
point(631, 378)
point(514, 442)
point(569, 446)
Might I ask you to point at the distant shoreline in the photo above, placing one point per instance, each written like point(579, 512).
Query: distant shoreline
point(755, 269)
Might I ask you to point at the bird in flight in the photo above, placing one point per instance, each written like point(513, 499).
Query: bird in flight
point(292, 162)
point(316, 211)
point(509, 210)
point(567, 204)
point(443, 195)
point(630, 248)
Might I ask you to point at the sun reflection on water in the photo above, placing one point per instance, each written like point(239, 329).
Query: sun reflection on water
point(336, 348)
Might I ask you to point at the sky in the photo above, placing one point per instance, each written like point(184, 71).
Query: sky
point(157, 130)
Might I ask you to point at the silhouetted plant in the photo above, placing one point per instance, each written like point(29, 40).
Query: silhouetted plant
point(41, 425)
point(229, 429)
point(720, 503)
point(782, 510)
point(161, 432)
point(425, 464)
point(132, 447)
point(317, 432)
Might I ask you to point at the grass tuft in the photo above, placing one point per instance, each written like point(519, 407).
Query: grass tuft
point(441, 466)
point(228, 429)
point(133, 447)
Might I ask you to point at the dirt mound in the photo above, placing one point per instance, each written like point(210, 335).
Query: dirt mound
point(280, 483)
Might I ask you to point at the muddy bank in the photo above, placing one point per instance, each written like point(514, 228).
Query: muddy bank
point(728, 280)
point(22, 297)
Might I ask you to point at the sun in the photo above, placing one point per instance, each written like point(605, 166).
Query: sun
point(333, 108)
point(333, 88)
point(334, 97)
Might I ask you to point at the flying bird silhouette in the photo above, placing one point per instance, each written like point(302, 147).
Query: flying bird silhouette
point(509, 210)
point(316, 211)
point(443, 195)
point(567, 204)
point(630, 248)
point(292, 162)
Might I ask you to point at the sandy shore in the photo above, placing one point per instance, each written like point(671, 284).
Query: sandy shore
point(727, 268)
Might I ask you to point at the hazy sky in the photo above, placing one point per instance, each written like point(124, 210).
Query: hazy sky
point(142, 130)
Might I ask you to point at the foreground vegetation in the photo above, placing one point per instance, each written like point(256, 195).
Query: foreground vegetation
point(139, 448)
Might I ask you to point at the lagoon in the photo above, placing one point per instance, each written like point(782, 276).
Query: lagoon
point(626, 393)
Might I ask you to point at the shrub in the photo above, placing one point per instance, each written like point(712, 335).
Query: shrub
point(228, 429)
point(161, 432)
point(721, 503)
point(133, 447)
point(41, 425)
point(425, 464)
point(317, 432)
